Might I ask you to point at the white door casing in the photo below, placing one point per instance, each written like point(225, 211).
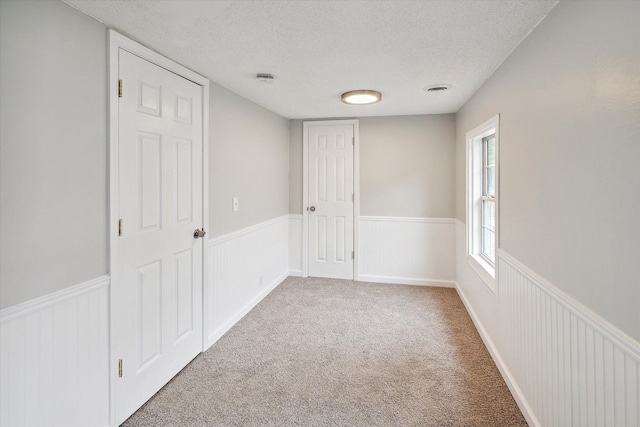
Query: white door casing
point(330, 199)
point(158, 191)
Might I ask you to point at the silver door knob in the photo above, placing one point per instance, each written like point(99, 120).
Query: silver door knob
point(312, 208)
point(199, 233)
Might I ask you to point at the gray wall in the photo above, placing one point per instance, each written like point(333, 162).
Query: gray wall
point(248, 159)
point(295, 166)
point(54, 152)
point(569, 105)
point(406, 166)
point(53, 149)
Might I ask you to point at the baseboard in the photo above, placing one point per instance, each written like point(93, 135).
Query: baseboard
point(407, 250)
point(564, 364)
point(406, 281)
point(244, 267)
point(218, 333)
point(295, 244)
point(295, 273)
point(497, 359)
point(572, 365)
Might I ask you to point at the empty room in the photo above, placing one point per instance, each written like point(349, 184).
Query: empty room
point(319, 213)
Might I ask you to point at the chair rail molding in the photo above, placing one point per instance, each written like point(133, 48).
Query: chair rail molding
point(54, 358)
point(564, 364)
point(244, 267)
point(407, 250)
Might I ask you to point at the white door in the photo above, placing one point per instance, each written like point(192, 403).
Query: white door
point(331, 200)
point(157, 293)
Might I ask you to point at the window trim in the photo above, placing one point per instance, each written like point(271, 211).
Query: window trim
point(475, 188)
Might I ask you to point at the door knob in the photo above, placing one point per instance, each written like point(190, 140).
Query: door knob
point(199, 233)
point(312, 208)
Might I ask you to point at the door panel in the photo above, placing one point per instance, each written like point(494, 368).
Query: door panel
point(330, 191)
point(149, 170)
point(321, 237)
point(184, 293)
point(157, 291)
point(340, 230)
point(149, 313)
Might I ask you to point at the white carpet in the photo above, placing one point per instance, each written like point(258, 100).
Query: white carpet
point(320, 352)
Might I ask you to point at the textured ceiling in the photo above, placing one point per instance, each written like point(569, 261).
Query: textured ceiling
point(320, 49)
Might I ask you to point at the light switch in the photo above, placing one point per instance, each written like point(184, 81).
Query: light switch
point(235, 204)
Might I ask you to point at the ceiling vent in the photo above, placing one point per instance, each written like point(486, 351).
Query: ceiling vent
point(437, 88)
point(264, 77)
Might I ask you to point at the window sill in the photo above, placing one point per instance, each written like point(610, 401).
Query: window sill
point(485, 271)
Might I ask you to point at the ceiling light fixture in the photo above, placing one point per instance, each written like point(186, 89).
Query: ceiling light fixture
point(437, 88)
point(361, 97)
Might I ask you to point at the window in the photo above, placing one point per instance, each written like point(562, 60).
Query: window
point(488, 215)
point(482, 199)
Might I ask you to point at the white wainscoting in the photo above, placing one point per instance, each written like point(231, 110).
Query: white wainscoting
point(412, 251)
point(565, 365)
point(54, 358)
point(295, 245)
point(244, 266)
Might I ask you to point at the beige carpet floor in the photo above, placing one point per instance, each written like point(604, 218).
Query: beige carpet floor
point(320, 352)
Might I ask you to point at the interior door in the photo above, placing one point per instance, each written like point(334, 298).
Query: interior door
point(331, 200)
point(157, 291)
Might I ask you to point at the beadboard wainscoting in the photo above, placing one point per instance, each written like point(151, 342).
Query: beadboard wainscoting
point(412, 251)
point(295, 245)
point(244, 266)
point(565, 365)
point(54, 358)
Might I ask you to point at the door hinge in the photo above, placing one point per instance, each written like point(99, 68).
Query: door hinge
point(120, 226)
point(119, 368)
point(353, 140)
point(119, 88)
point(353, 254)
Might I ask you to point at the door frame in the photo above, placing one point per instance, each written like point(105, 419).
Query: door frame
point(305, 188)
point(116, 42)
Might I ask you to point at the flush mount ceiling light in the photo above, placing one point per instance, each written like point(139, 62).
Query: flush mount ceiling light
point(437, 88)
point(361, 97)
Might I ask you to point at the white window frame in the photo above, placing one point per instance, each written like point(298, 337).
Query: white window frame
point(486, 197)
point(475, 185)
